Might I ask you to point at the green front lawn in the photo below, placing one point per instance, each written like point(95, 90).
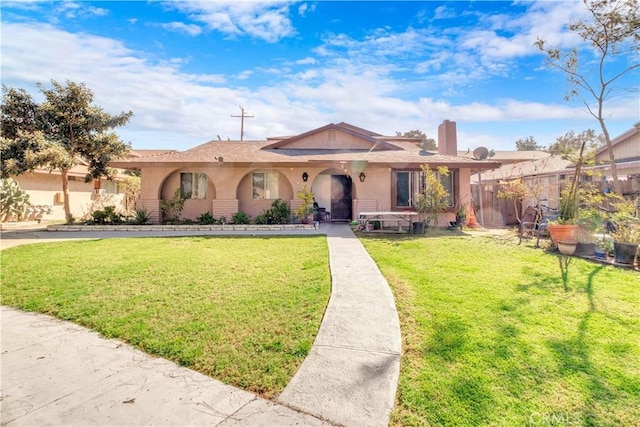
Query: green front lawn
point(243, 310)
point(491, 335)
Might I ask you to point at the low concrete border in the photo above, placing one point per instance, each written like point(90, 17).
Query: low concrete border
point(194, 227)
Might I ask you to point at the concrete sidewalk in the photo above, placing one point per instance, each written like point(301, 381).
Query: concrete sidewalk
point(57, 373)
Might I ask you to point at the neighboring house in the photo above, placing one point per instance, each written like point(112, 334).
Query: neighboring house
point(544, 176)
point(349, 170)
point(45, 191)
point(509, 157)
point(626, 150)
point(551, 174)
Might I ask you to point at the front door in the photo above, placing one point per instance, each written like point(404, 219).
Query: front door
point(341, 202)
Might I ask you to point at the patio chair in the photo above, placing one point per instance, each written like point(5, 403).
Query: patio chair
point(543, 226)
point(529, 222)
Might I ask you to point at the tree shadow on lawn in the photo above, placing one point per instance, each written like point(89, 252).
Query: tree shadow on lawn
point(468, 392)
point(573, 354)
point(543, 281)
point(573, 359)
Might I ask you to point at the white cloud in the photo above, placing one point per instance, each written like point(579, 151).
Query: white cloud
point(98, 11)
point(268, 21)
point(305, 8)
point(72, 9)
point(190, 29)
point(305, 61)
point(244, 75)
point(443, 12)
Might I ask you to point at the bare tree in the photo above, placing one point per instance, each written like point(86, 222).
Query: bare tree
point(611, 30)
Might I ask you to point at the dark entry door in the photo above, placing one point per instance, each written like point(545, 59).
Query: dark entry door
point(341, 198)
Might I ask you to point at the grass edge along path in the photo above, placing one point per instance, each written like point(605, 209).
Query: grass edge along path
point(244, 310)
point(492, 337)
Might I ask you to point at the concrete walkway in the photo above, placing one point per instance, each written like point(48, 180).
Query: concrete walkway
point(57, 373)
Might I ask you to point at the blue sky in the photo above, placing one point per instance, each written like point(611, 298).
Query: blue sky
point(184, 67)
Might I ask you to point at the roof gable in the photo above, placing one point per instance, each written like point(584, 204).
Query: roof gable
point(341, 136)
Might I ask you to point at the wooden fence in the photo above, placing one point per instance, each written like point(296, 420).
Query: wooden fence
point(497, 212)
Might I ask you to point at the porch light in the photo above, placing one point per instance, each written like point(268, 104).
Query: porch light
point(305, 176)
point(362, 176)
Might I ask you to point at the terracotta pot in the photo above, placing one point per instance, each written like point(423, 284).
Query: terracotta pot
point(562, 232)
point(567, 247)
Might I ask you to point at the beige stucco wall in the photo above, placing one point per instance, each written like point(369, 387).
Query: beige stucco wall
point(43, 187)
point(226, 182)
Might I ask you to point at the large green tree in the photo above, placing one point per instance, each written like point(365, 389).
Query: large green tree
point(528, 144)
point(608, 51)
point(59, 133)
point(428, 144)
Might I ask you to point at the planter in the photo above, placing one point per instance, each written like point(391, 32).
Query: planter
point(600, 253)
point(567, 247)
point(585, 249)
point(418, 227)
point(624, 253)
point(562, 232)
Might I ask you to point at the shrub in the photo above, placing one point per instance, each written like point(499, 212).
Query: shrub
point(206, 219)
point(106, 215)
point(171, 209)
point(13, 200)
point(240, 218)
point(141, 216)
point(306, 207)
point(264, 217)
point(280, 212)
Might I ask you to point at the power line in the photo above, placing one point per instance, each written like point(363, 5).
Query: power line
point(242, 117)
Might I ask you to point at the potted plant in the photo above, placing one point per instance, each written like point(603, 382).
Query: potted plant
point(580, 153)
point(590, 220)
point(567, 247)
point(306, 208)
point(603, 247)
point(626, 239)
point(626, 230)
point(565, 228)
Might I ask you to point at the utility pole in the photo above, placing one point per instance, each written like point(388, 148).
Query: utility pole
point(242, 117)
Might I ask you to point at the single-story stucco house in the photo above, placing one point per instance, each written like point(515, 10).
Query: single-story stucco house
point(349, 170)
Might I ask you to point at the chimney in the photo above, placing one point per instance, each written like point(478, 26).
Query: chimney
point(447, 138)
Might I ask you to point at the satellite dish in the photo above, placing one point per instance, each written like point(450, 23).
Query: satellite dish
point(480, 153)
